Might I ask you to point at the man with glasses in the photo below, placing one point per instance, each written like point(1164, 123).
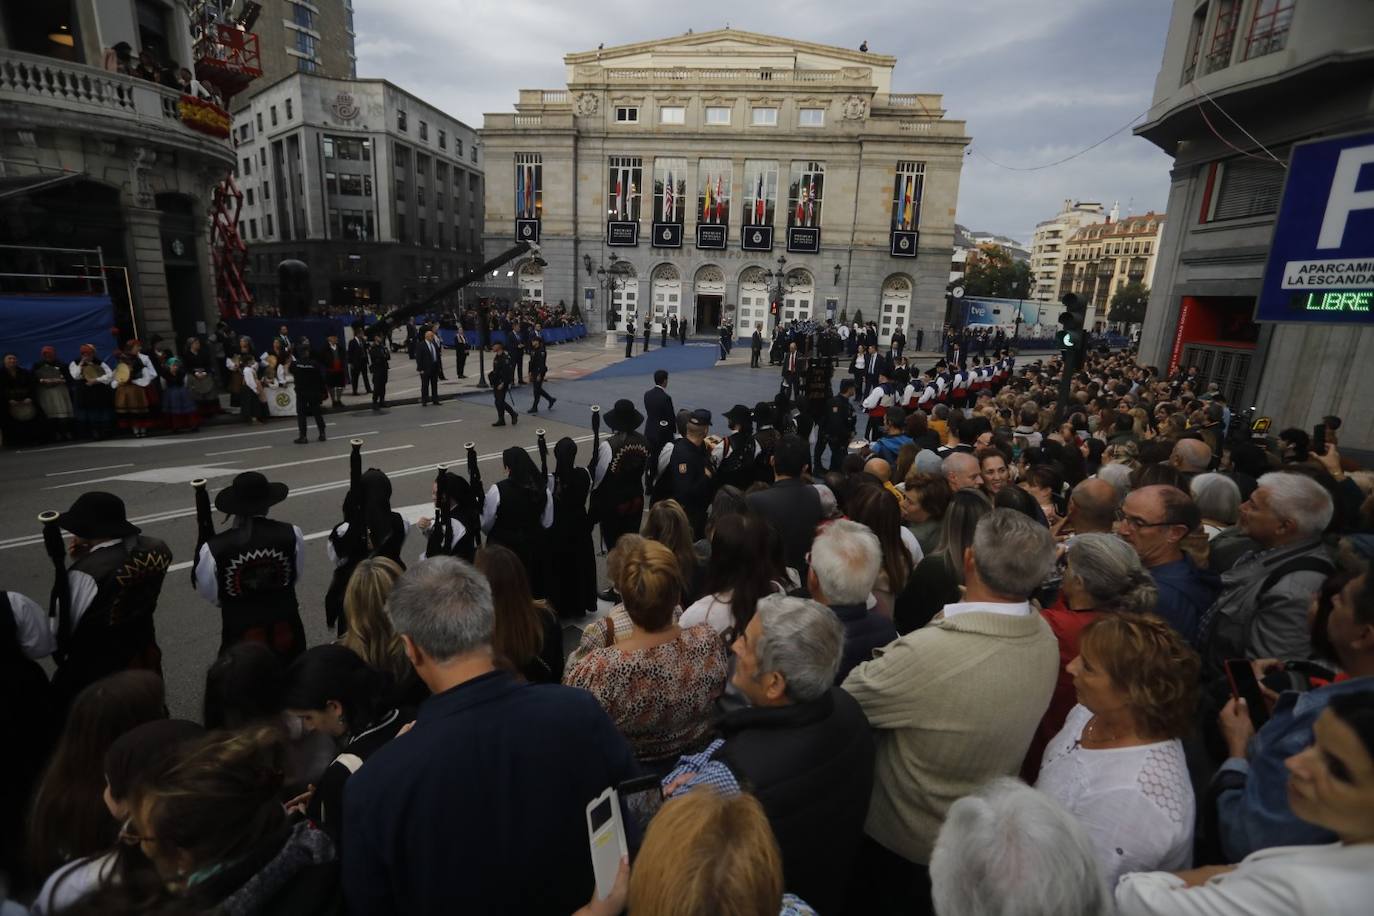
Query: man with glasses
point(1155, 520)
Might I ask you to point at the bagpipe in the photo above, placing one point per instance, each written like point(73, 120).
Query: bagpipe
point(60, 601)
point(441, 541)
point(205, 522)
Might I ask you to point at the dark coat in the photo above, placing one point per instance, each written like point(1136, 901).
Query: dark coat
point(658, 405)
point(520, 761)
point(811, 767)
point(864, 631)
point(793, 508)
point(427, 362)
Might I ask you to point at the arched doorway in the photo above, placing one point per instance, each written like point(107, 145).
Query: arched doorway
point(709, 291)
point(666, 293)
point(896, 307)
point(530, 278)
point(753, 301)
point(800, 294)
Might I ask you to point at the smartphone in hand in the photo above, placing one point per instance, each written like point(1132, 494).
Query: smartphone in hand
point(606, 834)
point(1244, 687)
point(1319, 439)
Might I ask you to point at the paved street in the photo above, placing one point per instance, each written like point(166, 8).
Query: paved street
point(153, 475)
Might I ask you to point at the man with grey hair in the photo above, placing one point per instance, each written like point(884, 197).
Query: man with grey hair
point(1055, 872)
point(962, 471)
point(802, 747)
point(487, 749)
point(1261, 611)
point(1191, 457)
point(955, 703)
point(845, 560)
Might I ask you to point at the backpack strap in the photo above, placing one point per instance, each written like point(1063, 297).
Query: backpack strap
point(1307, 563)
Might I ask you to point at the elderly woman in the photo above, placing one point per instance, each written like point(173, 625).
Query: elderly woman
point(1218, 501)
point(660, 683)
point(1118, 763)
point(925, 499)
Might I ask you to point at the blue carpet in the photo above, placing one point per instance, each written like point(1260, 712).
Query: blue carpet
point(674, 358)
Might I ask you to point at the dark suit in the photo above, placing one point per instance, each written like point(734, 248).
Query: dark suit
point(755, 348)
point(460, 351)
point(429, 362)
point(357, 364)
point(793, 365)
point(658, 405)
point(793, 508)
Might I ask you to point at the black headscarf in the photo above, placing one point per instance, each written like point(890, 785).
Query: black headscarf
point(375, 494)
point(524, 474)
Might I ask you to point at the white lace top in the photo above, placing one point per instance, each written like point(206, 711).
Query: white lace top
point(1136, 803)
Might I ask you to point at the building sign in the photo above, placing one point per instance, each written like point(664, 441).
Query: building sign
point(667, 235)
point(712, 236)
point(903, 243)
point(345, 107)
point(623, 233)
point(757, 238)
point(527, 230)
point(1321, 261)
point(804, 239)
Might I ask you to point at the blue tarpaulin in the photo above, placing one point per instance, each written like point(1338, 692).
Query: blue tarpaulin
point(30, 323)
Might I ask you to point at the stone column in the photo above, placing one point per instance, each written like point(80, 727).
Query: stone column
point(147, 273)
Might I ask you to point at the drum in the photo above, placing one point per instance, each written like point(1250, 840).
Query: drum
point(201, 385)
point(858, 445)
point(90, 372)
point(122, 373)
point(46, 372)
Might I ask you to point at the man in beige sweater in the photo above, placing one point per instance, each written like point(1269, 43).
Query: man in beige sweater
point(954, 704)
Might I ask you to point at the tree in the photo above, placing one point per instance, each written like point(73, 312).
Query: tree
point(1128, 303)
point(844, 315)
point(995, 273)
point(858, 316)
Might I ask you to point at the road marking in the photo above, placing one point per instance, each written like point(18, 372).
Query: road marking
point(235, 451)
point(292, 464)
point(158, 441)
point(174, 514)
point(439, 423)
point(183, 473)
point(106, 467)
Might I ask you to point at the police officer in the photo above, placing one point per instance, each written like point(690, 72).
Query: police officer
point(250, 569)
point(539, 370)
point(836, 427)
point(648, 329)
point(379, 364)
point(501, 377)
point(691, 471)
point(309, 382)
point(630, 335)
point(755, 345)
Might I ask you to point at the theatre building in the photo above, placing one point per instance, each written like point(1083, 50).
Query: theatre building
point(710, 175)
point(1266, 107)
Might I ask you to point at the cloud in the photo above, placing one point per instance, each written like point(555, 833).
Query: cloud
point(1034, 82)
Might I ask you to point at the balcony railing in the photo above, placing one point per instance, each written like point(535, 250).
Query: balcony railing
point(735, 75)
point(83, 90)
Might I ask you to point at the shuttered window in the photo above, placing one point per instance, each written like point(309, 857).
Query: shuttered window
point(1246, 187)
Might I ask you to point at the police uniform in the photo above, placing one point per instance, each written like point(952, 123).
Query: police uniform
point(501, 376)
point(691, 472)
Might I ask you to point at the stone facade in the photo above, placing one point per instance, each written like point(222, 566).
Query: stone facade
point(1100, 259)
point(1049, 241)
point(384, 204)
point(729, 104)
point(1301, 75)
point(306, 36)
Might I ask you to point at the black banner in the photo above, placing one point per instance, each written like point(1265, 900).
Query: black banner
point(756, 238)
point(527, 230)
point(623, 233)
point(667, 235)
point(804, 239)
point(712, 235)
point(902, 244)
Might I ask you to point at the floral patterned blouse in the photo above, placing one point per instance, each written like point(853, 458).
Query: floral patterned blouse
point(662, 698)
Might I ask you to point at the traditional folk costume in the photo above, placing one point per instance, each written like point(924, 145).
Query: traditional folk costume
point(369, 529)
point(618, 470)
point(94, 401)
point(135, 394)
point(19, 419)
point(460, 538)
point(516, 513)
point(178, 407)
point(334, 362)
point(199, 370)
point(54, 398)
point(572, 592)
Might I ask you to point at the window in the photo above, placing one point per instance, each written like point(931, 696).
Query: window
point(247, 166)
point(626, 174)
point(259, 122)
point(906, 195)
point(401, 120)
point(443, 139)
point(250, 197)
point(288, 109)
point(765, 117)
point(267, 225)
point(266, 191)
point(627, 115)
point(302, 16)
point(760, 191)
point(402, 156)
point(274, 115)
point(353, 184)
point(424, 131)
point(717, 114)
point(253, 228)
point(305, 44)
point(713, 190)
point(401, 234)
point(672, 114)
point(1269, 27)
point(473, 151)
point(811, 117)
point(804, 194)
point(1223, 36)
point(421, 165)
point(262, 156)
point(421, 236)
point(440, 174)
point(529, 185)
point(1241, 187)
point(306, 65)
point(670, 190)
point(327, 144)
point(243, 131)
point(356, 225)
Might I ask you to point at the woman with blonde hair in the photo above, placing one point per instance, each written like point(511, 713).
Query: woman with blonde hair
point(368, 629)
point(668, 524)
point(1118, 763)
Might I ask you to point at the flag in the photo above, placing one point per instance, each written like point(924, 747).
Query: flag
point(801, 205)
point(619, 197)
point(668, 199)
point(720, 202)
point(630, 212)
point(759, 209)
point(901, 205)
point(908, 216)
point(811, 201)
point(706, 205)
point(520, 190)
point(529, 191)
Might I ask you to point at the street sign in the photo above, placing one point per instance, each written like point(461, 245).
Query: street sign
point(1321, 261)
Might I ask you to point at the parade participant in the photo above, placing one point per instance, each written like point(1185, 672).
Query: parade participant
point(429, 361)
point(310, 390)
point(881, 399)
point(113, 587)
point(755, 345)
point(357, 359)
point(734, 455)
point(94, 393)
point(858, 369)
point(501, 377)
point(250, 388)
point(517, 351)
point(691, 470)
point(460, 352)
point(178, 408)
point(630, 322)
point(53, 399)
point(658, 407)
point(515, 512)
point(250, 569)
point(199, 367)
point(725, 334)
point(618, 470)
point(572, 592)
point(135, 395)
point(379, 365)
point(334, 363)
point(369, 529)
point(648, 329)
point(539, 370)
point(456, 494)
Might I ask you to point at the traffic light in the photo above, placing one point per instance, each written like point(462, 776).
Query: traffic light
point(1074, 314)
point(1073, 341)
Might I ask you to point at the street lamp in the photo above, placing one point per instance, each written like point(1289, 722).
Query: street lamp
point(611, 279)
point(782, 284)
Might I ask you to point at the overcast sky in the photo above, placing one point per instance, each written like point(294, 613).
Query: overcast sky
point(1034, 81)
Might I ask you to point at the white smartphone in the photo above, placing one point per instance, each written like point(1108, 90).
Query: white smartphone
point(606, 833)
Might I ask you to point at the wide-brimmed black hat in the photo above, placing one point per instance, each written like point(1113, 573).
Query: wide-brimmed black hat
point(250, 494)
point(739, 414)
point(623, 416)
point(700, 417)
point(95, 516)
point(763, 413)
